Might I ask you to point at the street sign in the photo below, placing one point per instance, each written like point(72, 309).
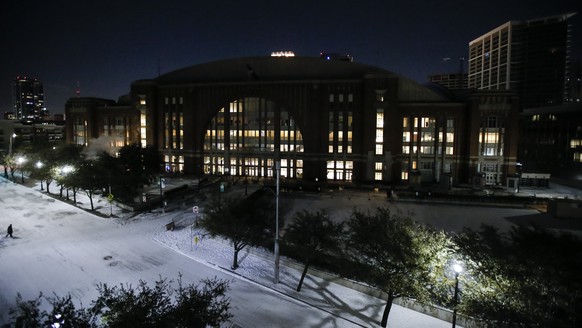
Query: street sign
point(110, 197)
point(221, 187)
point(195, 209)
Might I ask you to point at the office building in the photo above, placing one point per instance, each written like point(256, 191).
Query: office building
point(15, 134)
point(529, 57)
point(28, 99)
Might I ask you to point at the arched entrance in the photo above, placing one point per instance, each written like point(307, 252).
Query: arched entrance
point(248, 136)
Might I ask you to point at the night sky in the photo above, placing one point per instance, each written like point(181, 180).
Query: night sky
point(107, 44)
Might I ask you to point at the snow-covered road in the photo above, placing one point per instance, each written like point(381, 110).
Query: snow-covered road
point(58, 248)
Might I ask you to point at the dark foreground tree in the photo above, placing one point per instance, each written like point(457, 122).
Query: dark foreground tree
point(62, 314)
point(395, 254)
point(310, 236)
point(244, 222)
point(527, 276)
point(162, 306)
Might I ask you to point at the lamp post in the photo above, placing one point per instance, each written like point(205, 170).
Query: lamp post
point(458, 269)
point(20, 160)
point(65, 170)
point(9, 153)
point(39, 166)
point(220, 190)
point(162, 186)
point(10, 145)
point(276, 251)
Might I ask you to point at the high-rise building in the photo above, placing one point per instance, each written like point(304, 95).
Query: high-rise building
point(28, 98)
point(529, 57)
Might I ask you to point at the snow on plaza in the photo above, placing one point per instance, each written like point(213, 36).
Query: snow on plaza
point(61, 249)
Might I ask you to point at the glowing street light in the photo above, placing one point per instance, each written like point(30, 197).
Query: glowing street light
point(11, 141)
point(39, 165)
point(458, 269)
point(20, 161)
point(65, 170)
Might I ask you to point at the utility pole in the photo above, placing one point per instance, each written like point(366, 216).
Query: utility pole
point(278, 171)
point(162, 186)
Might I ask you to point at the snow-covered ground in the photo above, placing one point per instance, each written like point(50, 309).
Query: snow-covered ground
point(59, 248)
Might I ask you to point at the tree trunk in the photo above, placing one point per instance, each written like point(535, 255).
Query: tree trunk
point(235, 259)
point(47, 187)
point(387, 310)
point(91, 199)
point(303, 275)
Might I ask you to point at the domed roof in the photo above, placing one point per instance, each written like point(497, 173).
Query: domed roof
point(269, 69)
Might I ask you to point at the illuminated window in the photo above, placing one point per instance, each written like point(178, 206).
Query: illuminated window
point(379, 149)
point(251, 136)
point(379, 135)
point(379, 132)
point(340, 170)
point(379, 120)
point(575, 143)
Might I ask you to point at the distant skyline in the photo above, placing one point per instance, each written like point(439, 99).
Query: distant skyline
point(106, 45)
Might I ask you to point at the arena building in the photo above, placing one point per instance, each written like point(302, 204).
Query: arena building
point(322, 120)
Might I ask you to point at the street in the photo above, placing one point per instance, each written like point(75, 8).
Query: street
point(59, 249)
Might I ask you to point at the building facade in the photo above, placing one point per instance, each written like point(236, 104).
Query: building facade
point(554, 142)
point(450, 80)
point(114, 123)
point(529, 57)
point(28, 99)
point(322, 121)
point(24, 133)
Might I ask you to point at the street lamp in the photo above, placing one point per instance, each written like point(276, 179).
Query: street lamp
point(458, 269)
point(39, 166)
point(162, 187)
point(21, 160)
point(65, 170)
point(9, 153)
point(278, 170)
point(11, 141)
